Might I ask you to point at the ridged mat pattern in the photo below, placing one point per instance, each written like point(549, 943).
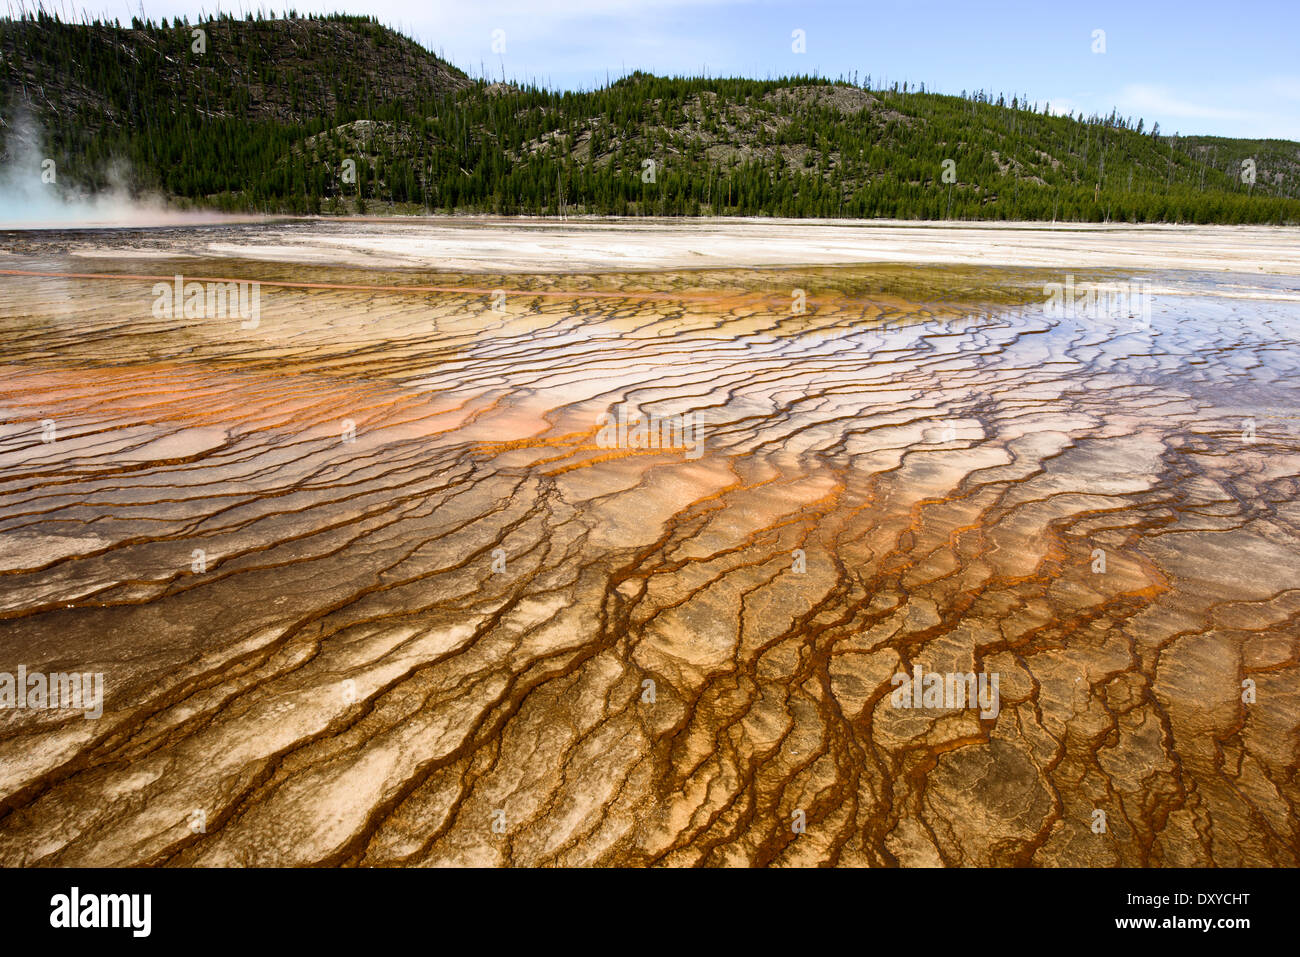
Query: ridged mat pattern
point(426, 641)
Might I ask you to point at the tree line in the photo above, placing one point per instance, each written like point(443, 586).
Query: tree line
point(351, 125)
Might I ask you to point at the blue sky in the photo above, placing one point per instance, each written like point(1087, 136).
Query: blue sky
point(1194, 66)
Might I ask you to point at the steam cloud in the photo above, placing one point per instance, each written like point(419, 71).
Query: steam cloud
point(28, 200)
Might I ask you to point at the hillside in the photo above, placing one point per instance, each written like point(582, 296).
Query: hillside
point(268, 116)
point(281, 70)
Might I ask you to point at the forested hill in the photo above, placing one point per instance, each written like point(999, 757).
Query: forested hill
point(339, 114)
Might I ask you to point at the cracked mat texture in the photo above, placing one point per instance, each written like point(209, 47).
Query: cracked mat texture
point(426, 640)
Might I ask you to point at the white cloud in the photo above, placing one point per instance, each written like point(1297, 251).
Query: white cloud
point(1140, 99)
point(1057, 105)
point(1261, 109)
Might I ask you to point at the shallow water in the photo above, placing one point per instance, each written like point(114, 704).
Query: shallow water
point(367, 585)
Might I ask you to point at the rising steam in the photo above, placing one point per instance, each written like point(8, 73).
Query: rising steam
point(36, 194)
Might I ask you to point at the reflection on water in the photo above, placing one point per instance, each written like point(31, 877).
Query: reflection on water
point(367, 585)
